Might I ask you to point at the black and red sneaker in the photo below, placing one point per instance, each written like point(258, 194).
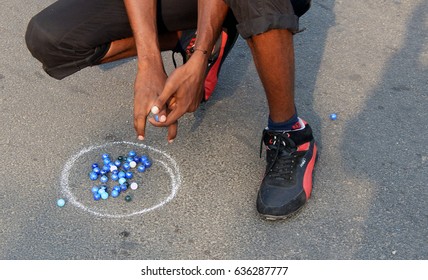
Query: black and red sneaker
point(221, 49)
point(287, 183)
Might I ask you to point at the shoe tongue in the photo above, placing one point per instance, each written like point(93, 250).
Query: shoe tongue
point(273, 140)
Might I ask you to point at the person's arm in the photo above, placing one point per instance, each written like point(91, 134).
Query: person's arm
point(142, 17)
point(185, 84)
point(151, 76)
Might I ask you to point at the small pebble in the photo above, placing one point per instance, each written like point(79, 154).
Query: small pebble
point(97, 196)
point(128, 198)
point(113, 168)
point(96, 170)
point(141, 168)
point(104, 156)
point(132, 153)
point(60, 202)
point(122, 181)
point(123, 187)
point(132, 164)
point(156, 118)
point(95, 165)
point(333, 117)
point(95, 189)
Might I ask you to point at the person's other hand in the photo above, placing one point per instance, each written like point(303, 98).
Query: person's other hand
point(183, 91)
point(148, 85)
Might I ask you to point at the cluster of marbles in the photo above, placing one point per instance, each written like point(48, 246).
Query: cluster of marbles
point(118, 172)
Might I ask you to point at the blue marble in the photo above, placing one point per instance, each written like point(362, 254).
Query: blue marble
point(114, 193)
point(104, 179)
point(129, 175)
point(141, 168)
point(126, 166)
point(60, 202)
point(123, 187)
point(114, 176)
point(93, 176)
point(104, 195)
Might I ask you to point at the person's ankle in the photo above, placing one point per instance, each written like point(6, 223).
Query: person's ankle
point(292, 123)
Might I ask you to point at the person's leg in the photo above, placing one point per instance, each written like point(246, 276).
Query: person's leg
point(268, 27)
point(70, 35)
point(278, 84)
point(125, 48)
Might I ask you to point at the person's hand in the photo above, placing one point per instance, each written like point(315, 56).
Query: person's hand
point(149, 84)
point(183, 91)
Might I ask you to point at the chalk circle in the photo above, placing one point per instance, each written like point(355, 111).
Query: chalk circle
point(159, 158)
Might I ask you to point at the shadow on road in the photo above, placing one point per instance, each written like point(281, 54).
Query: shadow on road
point(386, 143)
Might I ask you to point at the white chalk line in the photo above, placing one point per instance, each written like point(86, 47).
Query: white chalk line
point(174, 174)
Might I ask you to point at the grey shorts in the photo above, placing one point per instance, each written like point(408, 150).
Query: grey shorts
point(258, 16)
point(73, 34)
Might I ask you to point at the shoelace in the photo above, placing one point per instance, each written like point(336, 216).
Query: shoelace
point(283, 166)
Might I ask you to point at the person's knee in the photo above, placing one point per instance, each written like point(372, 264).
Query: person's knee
point(41, 43)
point(257, 17)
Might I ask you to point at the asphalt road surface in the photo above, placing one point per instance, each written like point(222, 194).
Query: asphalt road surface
point(366, 61)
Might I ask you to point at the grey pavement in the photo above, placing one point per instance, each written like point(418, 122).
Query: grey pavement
point(367, 61)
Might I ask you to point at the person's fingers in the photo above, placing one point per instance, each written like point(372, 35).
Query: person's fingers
point(161, 116)
point(172, 117)
point(140, 125)
point(172, 132)
point(170, 88)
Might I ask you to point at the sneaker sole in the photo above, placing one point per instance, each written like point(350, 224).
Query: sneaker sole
point(278, 218)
